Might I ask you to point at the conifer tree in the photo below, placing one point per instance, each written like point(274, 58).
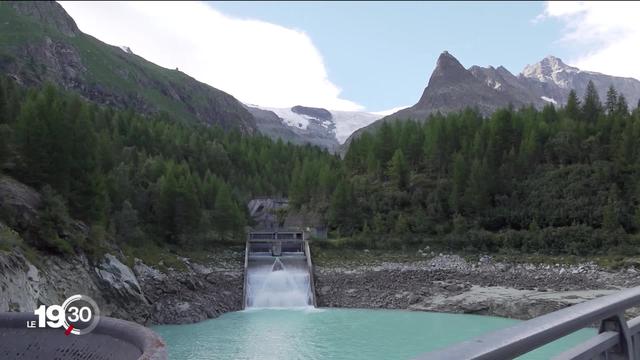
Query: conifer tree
point(622, 109)
point(477, 193)
point(612, 100)
point(460, 175)
point(127, 225)
point(297, 190)
point(3, 102)
point(572, 109)
point(610, 219)
point(342, 208)
point(549, 114)
point(591, 107)
point(399, 170)
point(168, 193)
point(225, 212)
point(187, 208)
point(401, 226)
point(5, 150)
point(384, 143)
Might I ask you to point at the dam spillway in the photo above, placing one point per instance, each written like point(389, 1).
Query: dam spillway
point(278, 271)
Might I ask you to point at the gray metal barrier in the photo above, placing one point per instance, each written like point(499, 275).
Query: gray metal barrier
point(617, 338)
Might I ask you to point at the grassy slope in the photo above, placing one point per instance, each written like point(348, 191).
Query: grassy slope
point(112, 68)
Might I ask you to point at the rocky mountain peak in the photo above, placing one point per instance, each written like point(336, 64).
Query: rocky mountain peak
point(502, 70)
point(453, 88)
point(447, 63)
point(550, 69)
point(49, 13)
point(448, 69)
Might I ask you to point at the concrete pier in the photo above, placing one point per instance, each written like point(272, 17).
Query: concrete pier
point(112, 339)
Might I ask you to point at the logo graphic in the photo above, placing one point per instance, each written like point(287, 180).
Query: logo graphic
point(78, 315)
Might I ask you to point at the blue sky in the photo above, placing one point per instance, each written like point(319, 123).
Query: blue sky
point(369, 56)
point(381, 54)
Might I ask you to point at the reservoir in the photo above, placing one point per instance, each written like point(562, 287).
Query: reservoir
point(307, 333)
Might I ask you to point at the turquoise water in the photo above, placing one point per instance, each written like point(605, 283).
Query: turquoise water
point(334, 334)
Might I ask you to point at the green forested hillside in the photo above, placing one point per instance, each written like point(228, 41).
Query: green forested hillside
point(553, 181)
point(135, 180)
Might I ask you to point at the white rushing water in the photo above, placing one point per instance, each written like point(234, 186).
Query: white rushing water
point(278, 284)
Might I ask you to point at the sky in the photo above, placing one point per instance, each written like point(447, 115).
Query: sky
point(369, 56)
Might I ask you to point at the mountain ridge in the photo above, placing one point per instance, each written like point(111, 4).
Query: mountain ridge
point(40, 42)
point(452, 87)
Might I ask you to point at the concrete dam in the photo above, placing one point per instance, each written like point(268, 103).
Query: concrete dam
point(278, 271)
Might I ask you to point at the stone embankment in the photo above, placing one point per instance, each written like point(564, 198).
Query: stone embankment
point(448, 283)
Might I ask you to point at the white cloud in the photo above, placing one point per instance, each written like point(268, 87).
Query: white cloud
point(257, 62)
point(609, 31)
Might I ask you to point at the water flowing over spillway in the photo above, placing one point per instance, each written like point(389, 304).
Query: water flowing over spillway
point(279, 283)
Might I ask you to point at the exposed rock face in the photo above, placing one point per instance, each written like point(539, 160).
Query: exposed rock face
point(450, 284)
point(118, 281)
point(145, 295)
point(453, 88)
point(318, 113)
point(18, 202)
point(49, 13)
point(270, 124)
point(199, 293)
point(25, 286)
point(274, 213)
point(264, 212)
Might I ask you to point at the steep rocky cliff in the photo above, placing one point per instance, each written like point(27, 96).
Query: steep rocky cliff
point(143, 294)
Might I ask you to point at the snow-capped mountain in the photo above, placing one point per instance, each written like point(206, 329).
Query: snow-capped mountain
point(553, 70)
point(553, 79)
point(302, 124)
point(452, 87)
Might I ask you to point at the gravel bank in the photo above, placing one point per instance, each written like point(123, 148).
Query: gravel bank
point(448, 283)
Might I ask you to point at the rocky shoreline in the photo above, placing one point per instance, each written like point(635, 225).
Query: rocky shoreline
point(448, 283)
point(142, 293)
point(198, 291)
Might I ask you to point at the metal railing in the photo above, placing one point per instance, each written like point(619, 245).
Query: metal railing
point(275, 243)
point(616, 339)
point(275, 235)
